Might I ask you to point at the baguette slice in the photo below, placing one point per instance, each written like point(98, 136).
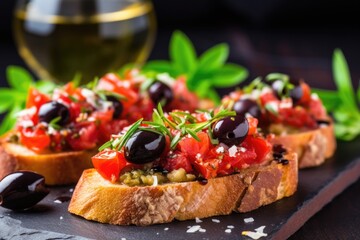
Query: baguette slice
point(97, 199)
point(57, 168)
point(313, 147)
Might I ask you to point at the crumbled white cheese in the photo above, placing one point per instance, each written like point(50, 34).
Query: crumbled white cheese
point(230, 226)
point(232, 151)
point(215, 220)
point(27, 123)
point(165, 78)
point(259, 232)
point(155, 180)
point(26, 112)
point(220, 150)
point(314, 96)
point(228, 230)
point(90, 96)
point(202, 230)
point(198, 156)
point(248, 220)
point(198, 220)
point(193, 229)
point(51, 130)
point(286, 104)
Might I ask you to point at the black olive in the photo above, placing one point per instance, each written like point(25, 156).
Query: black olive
point(296, 93)
point(22, 190)
point(117, 105)
point(231, 130)
point(243, 106)
point(51, 110)
point(160, 93)
point(144, 147)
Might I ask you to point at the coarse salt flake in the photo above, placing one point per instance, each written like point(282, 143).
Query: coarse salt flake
point(165, 229)
point(198, 220)
point(193, 229)
point(71, 190)
point(232, 151)
point(198, 156)
point(260, 229)
point(202, 230)
point(248, 220)
point(61, 218)
point(220, 150)
point(230, 226)
point(215, 220)
point(228, 230)
point(242, 149)
point(57, 201)
point(253, 235)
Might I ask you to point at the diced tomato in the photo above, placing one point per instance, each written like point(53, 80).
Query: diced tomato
point(36, 98)
point(178, 160)
point(84, 136)
point(253, 122)
point(260, 146)
point(306, 94)
point(74, 92)
point(191, 147)
point(35, 138)
point(268, 97)
point(183, 98)
point(317, 109)
point(234, 163)
point(297, 117)
point(108, 164)
point(208, 169)
point(56, 141)
point(106, 129)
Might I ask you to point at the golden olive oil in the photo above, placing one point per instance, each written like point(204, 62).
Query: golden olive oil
point(57, 47)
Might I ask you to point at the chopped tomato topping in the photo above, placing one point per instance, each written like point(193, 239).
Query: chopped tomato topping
point(195, 149)
point(108, 164)
point(85, 136)
point(35, 138)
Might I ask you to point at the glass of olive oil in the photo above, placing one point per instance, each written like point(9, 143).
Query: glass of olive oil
point(61, 38)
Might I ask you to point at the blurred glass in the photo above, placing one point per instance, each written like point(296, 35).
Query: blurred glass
point(61, 38)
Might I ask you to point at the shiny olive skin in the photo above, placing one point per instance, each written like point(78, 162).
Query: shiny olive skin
point(296, 93)
point(160, 93)
point(243, 106)
point(231, 130)
point(117, 105)
point(22, 190)
point(144, 147)
point(51, 110)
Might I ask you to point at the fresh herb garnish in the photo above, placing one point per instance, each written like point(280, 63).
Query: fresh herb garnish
point(343, 103)
point(54, 123)
point(13, 99)
point(203, 73)
point(183, 124)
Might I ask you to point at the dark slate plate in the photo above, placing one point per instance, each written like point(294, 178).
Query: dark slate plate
point(317, 187)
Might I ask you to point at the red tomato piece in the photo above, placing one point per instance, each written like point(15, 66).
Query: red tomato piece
point(260, 146)
point(36, 98)
point(108, 164)
point(36, 139)
point(306, 94)
point(84, 136)
point(191, 147)
point(183, 98)
point(208, 169)
point(106, 129)
point(268, 97)
point(178, 160)
point(253, 123)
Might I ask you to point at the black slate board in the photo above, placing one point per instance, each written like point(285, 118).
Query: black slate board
point(317, 187)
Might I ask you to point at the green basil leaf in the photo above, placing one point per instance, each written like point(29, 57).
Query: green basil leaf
point(229, 75)
point(160, 66)
point(202, 89)
point(9, 120)
point(343, 80)
point(182, 53)
point(6, 99)
point(45, 86)
point(358, 93)
point(329, 98)
point(18, 78)
point(214, 96)
point(214, 57)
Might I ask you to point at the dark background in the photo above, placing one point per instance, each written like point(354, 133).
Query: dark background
point(294, 37)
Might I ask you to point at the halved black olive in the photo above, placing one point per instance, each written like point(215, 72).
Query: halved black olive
point(144, 147)
point(117, 105)
point(231, 130)
point(160, 93)
point(51, 110)
point(22, 190)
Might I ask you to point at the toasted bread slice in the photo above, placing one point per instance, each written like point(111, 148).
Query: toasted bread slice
point(97, 199)
point(57, 168)
point(313, 147)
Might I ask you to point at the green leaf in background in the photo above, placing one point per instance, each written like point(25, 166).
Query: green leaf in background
point(214, 57)
point(18, 78)
point(358, 92)
point(182, 53)
point(13, 99)
point(343, 80)
point(160, 66)
point(229, 75)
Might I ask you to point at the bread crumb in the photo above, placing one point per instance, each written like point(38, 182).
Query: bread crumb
point(215, 220)
point(228, 230)
point(249, 220)
point(198, 220)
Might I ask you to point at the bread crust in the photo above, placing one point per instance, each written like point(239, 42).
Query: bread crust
point(58, 168)
point(97, 199)
point(313, 147)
